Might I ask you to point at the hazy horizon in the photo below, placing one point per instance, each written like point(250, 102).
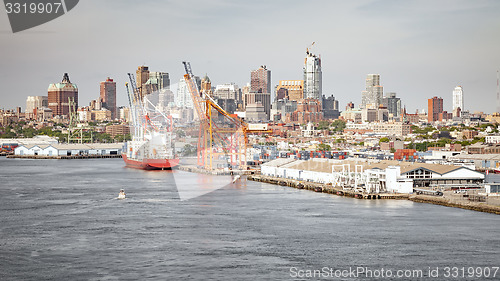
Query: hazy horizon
point(421, 49)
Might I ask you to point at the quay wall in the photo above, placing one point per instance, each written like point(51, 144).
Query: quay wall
point(326, 188)
point(64, 156)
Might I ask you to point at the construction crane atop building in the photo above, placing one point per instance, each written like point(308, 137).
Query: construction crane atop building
point(308, 49)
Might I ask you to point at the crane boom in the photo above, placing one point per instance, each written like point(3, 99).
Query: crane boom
point(218, 137)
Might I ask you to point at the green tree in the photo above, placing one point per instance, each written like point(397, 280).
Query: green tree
point(338, 125)
point(384, 139)
point(188, 150)
point(324, 147)
point(180, 133)
point(323, 125)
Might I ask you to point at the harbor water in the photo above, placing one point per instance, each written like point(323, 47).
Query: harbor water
point(61, 220)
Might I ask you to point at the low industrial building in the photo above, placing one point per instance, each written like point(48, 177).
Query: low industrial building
point(69, 149)
point(374, 177)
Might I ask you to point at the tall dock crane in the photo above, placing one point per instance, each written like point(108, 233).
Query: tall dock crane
point(221, 135)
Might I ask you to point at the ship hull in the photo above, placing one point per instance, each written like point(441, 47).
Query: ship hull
point(151, 164)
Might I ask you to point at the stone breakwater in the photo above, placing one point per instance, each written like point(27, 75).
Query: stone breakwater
point(328, 188)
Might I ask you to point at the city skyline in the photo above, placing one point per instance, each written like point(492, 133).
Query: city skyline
point(413, 46)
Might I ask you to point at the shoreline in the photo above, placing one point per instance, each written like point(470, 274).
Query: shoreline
point(326, 188)
point(63, 156)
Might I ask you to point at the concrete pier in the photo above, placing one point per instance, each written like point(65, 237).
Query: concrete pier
point(64, 156)
point(328, 188)
point(325, 188)
point(219, 172)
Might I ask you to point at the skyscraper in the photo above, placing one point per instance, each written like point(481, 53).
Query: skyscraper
point(260, 80)
point(34, 103)
point(157, 81)
point(434, 108)
point(372, 96)
point(108, 96)
point(458, 98)
point(206, 85)
point(142, 76)
point(312, 77)
point(59, 94)
point(392, 103)
point(182, 97)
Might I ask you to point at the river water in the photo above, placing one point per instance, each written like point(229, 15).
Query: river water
point(60, 220)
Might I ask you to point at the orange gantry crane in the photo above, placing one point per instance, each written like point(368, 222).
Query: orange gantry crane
point(222, 136)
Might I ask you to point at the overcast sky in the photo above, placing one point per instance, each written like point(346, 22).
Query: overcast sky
point(421, 49)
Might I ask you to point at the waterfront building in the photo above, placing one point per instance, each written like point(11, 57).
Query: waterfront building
point(373, 177)
point(72, 149)
point(59, 95)
point(372, 95)
point(108, 96)
point(312, 77)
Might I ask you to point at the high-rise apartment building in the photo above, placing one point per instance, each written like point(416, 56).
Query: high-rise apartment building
point(157, 81)
point(330, 107)
point(290, 89)
point(260, 80)
point(59, 95)
point(434, 108)
point(312, 77)
point(182, 97)
point(33, 104)
point(458, 98)
point(372, 96)
point(108, 96)
point(206, 85)
point(392, 103)
point(262, 98)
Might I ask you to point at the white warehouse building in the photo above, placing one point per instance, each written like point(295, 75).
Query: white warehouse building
point(69, 149)
point(384, 176)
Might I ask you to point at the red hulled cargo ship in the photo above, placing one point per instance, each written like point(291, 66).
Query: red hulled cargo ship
point(151, 164)
point(151, 145)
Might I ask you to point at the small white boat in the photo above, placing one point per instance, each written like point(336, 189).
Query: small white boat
point(121, 195)
point(236, 178)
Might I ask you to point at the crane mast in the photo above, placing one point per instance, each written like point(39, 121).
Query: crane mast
point(220, 134)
